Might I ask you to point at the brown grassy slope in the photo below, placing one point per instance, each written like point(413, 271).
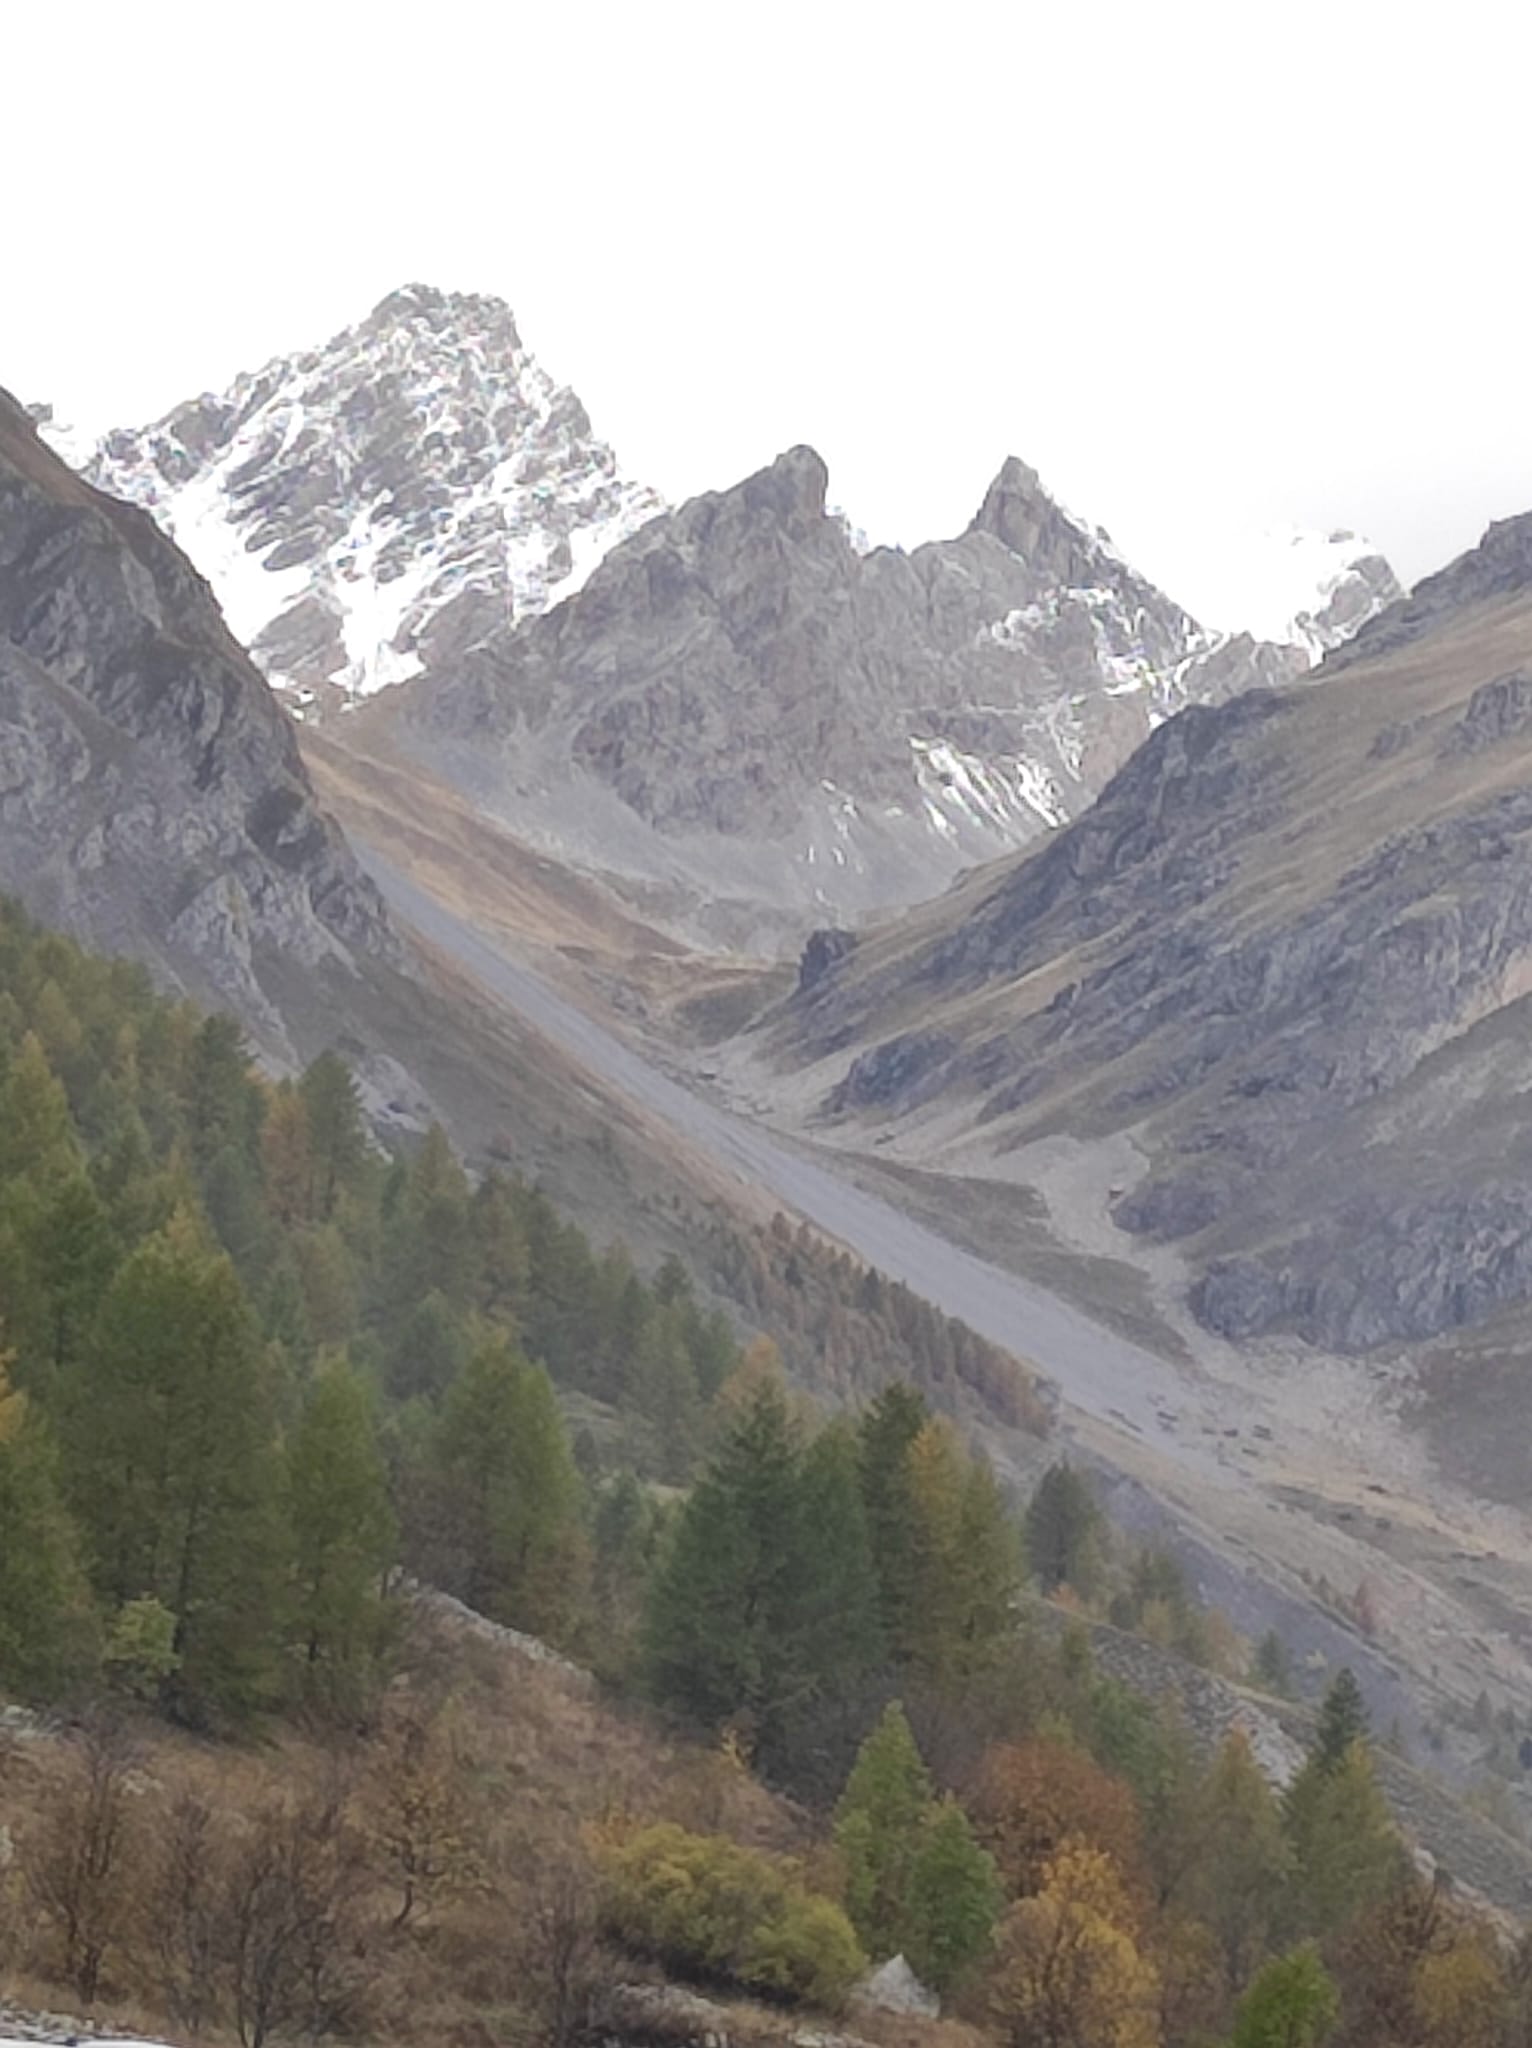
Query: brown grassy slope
point(586, 938)
point(500, 1775)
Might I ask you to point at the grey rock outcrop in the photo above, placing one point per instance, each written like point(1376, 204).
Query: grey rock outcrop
point(894, 1987)
point(152, 800)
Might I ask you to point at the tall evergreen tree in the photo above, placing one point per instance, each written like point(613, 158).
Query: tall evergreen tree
point(1272, 1668)
point(513, 1493)
point(342, 1537)
point(72, 1251)
point(726, 1627)
point(46, 1625)
point(1238, 1881)
point(1346, 1851)
point(224, 1106)
point(878, 1830)
point(337, 1133)
point(502, 1257)
point(1343, 1720)
point(953, 1899)
point(169, 1423)
point(843, 1631)
point(427, 1350)
point(886, 1437)
point(1063, 1528)
point(37, 1134)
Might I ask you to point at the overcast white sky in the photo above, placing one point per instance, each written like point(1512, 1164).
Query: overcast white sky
point(1209, 268)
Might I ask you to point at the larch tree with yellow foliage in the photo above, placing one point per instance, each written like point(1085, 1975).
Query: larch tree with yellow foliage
point(1069, 1970)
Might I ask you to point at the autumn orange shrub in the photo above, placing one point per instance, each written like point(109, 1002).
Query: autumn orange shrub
point(1034, 1797)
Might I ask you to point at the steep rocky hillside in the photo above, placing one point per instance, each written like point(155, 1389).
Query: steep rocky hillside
point(151, 795)
point(1288, 956)
point(373, 506)
point(755, 726)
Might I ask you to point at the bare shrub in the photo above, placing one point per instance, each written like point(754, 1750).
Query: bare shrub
point(184, 1911)
point(294, 1950)
point(76, 1855)
point(567, 1969)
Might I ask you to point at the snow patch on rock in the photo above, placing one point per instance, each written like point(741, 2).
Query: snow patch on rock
point(418, 480)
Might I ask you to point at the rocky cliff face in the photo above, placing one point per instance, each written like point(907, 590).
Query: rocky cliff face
point(152, 800)
point(1290, 952)
point(759, 727)
point(375, 506)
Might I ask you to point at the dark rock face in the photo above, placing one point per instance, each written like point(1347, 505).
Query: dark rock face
point(742, 708)
point(151, 795)
point(1497, 711)
point(900, 1073)
point(820, 953)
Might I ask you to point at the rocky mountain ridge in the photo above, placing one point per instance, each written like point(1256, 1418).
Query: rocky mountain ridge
point(759, 723)
point(754, 726)
point(152, 799)
point(1289, 955)
point(367, 508)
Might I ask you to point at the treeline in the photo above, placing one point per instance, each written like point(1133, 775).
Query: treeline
point(847, 1330)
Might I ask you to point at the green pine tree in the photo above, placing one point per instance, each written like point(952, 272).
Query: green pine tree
point(953, 1899)
point(427, 1351)
point(843, 1633)
point(223, 1101)
point(1237, 1884)
point(1343, 1720)
point(886, 1435)
point(1346, 1851)
point(879, 1826)
point(337, 1133)
point(502, 1257)
point(725, 1634)
point(1272, 1668)
point(1063, 1529)
point(46, 1622)
point(513, 1491)
point(37, 1133)
point(170, 1434)
point(1292, 2003)
point(342, 1537)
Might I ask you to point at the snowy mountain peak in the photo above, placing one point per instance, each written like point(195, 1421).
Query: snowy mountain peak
point(380, 504)
point(1308, 590)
